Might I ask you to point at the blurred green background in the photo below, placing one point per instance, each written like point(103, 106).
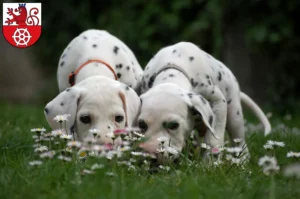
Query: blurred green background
point(258, 40)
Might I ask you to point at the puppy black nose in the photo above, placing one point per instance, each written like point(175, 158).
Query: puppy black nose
point(46, 110)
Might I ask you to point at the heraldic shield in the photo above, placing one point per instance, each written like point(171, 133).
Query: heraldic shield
point(22, 23)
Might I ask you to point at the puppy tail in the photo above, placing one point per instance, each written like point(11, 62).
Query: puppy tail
point(257, 111)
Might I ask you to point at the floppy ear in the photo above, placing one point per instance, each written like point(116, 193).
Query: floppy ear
point(64, 103)
point(200, 107)
point(131, 104)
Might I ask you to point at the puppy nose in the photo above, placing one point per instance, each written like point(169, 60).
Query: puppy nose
point(46, 110)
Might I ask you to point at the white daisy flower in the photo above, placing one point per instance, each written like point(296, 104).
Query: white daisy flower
point(237, 140)
point(234, 150)
point(61, 118)
point(163, 139)
point(205, 146)
point(94, 132)
point(86, 171)
point(236, 160)
point(124, 148)
point(267, 160)
point(110, 174)
point(131, 167)
point(66, 137)
point(138, 134)
point(132, 160)
point(64, 158)
point(35, 163)
point(228, 157)
point(293, 154)
point(74, 144)
point(38, 130)
point(41, 149)
point(48, 154)
point(124, 163)
point(292, 170)
point(160, 150)
point(35, 137)
point(275, 143)
point(268, 146)
point(136, 153)
point(171, 150)
point(58, 132)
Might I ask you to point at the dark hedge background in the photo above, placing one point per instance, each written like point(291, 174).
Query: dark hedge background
point(258, 40)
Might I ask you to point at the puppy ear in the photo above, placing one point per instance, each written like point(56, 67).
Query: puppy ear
point(64, 103)
point(131, 104)
point(200, 107)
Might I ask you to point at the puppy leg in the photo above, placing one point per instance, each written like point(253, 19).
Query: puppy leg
point(235, 123)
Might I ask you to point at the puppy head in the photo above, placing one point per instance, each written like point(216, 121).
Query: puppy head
point(95, 103)
point(169, 111)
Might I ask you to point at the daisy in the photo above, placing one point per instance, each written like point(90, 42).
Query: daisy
point(136, 153)
point(267, 160)
point(110, 174)
point(132, 160)
point(275, 143)
point(124, 148)
point(205, 146)
point(172, 151)
point(61, 118)
point(64, 158)
point(38, 130)
point(273, 168)
point(74, 144)
point(82, 154)
point(131, 167)
point(48, 154)
point(160, 150)
point(138, 134)
point(94, 132)
point(66, 137)
point(58, 132)
point(41, 149)
point(97, 166)
point(35, 163)
point(237, 140)
point(292, 170)
point(236, 160)
point(86, 171)
point(163, 139)
point(268, 146)
point(292, 154)
point(234, 150)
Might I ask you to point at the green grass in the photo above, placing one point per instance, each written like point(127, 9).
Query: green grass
point(53, 179)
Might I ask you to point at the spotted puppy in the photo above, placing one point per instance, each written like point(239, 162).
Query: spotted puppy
point(182, 82)
point(96, 102)
point(97, 52)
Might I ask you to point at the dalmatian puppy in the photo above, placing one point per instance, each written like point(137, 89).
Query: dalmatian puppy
point(97, 52)
point(96, 102)
point(185, 88)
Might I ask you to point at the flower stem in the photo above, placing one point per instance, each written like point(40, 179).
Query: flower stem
point(272, 188)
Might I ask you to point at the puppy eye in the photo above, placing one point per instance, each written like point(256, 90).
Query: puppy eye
point(86, 119)
point(171, 125)
point(119, 118)
point(142, 125)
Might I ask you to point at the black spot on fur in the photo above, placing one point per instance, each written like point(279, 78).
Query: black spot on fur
point(116, 49)
point(219, 76)
point(191, 58)
point(127, 68)
point(127, 88)
point(147, 68)
point(220, 65)
point(229, 101)
point(224, 100)
point(119, 66)
point(108, 127)
point(201, 84)
point(174, 51)
point(238, 112)
point(207, 76)
point(62, 103)
point(226, 89)
point(203, 100)
point(164, 78)
point(119, 75)
point(190, 95)
point(147, 76)
point(213, 92)
point(194, 84)
point(132, 63)
point(84, 37)
point(151, 80)
point(171, 75)
point(94, 45)
point(63, 56)
point(210, 120)
point(179, 55)
point(209, 82)
point(211, 105)
point(69, 48)
point(194, 111)
point(68, 89)
point(62, 64)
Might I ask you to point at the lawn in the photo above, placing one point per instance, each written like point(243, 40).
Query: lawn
point(56, 179)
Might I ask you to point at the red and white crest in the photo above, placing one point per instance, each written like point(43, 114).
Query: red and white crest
point(22, 23)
